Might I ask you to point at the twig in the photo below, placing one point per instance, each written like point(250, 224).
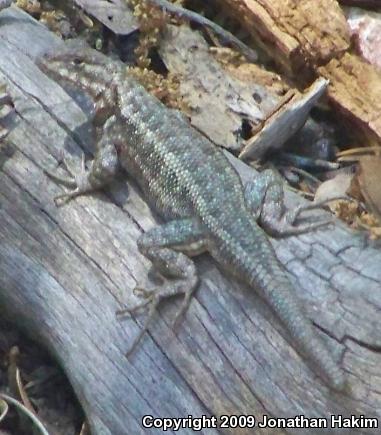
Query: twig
point(359, 150)
point(26, 411)
point(194, 16)
point(304, 173)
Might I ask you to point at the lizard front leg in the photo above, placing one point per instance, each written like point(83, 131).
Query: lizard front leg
point(265, 199)
point(102, 169)
point(161, 245)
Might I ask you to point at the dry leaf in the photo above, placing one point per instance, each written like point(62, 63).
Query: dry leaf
point(337, 186)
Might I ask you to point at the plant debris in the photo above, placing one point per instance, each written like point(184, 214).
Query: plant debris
point(33, 391)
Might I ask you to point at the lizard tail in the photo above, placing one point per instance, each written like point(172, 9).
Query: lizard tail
point(278, 293)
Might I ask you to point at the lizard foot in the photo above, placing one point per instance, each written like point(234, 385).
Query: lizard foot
point(177, 272)
point(152, 298)
point(287, 222)
point(78, 181)
point(265, 199)
point(291, 215)
point(284, 225)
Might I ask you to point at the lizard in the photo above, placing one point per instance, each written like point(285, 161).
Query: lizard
point(190, 182)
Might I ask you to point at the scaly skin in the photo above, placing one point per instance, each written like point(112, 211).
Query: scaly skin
point(192, 185)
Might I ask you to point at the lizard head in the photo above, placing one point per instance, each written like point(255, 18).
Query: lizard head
point(80, 66)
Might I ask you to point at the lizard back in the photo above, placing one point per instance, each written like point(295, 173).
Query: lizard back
point(175, 165)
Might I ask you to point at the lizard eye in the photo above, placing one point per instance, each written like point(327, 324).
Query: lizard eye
point(77, 61)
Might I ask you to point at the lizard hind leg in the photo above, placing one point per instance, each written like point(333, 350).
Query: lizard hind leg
point(178, 270)
point(265, 198)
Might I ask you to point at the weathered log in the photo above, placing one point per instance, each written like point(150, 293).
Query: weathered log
point(65, 271)
point(209, 88)
point(310, 38)
point(355, 92)
point(298, 34)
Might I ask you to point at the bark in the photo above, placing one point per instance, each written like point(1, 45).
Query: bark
point(311, 38)
point(298, 34)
